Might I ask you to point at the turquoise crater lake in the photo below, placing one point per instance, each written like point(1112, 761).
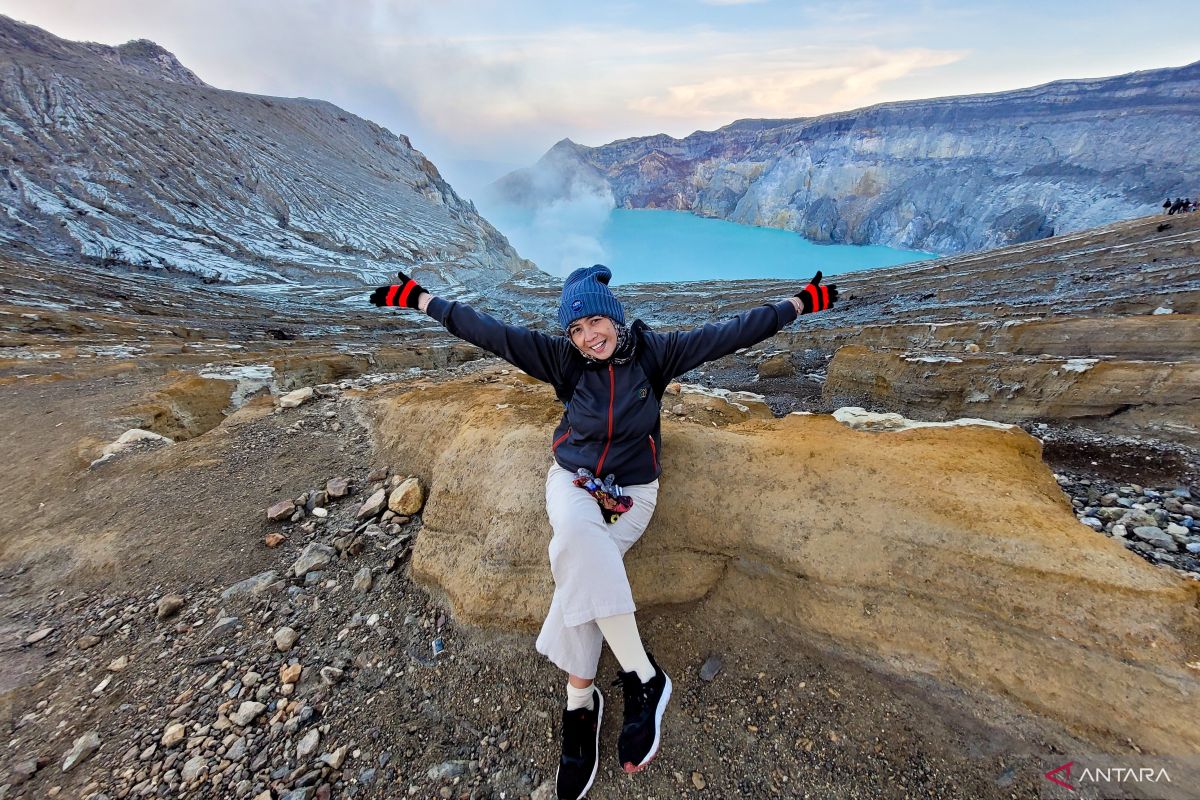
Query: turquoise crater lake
point(644, 246)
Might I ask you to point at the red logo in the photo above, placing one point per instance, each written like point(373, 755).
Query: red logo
point(1065, 768)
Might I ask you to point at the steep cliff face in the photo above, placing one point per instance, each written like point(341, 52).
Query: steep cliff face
point(122, 155)
point(948, 175)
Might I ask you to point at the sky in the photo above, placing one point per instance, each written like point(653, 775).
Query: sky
point(482, 87)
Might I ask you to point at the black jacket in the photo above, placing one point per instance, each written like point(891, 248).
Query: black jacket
point(611, 421)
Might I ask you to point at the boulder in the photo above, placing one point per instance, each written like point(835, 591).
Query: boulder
point(407, 498)
point(972, 569)
point(296, 398)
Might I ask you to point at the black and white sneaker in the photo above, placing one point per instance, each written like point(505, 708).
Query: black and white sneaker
point(580, 747)
point(644, 705)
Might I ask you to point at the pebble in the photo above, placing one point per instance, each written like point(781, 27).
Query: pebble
point(253, 586)
point(118, 664)
point(314, 557)
point(331, 675)
point(281, 511)
point(1155, 536)
point(87, 641)
point(285, 638)
point(192, 768)
point(308, 744)
point(38, 635)
point(173, 735)
point(168, 606)
point(337, 487)
point(447, 769)
point(84, 746)
point(1193, 547)
point(336, 758)
point(319, 512)
point(1092, 523)
point(712, 665)
point(290, 673)
point(698, 780)
point(407, 498)
point(296, 398)
point(362, 580)
point(373, 506)
point(1177, 530)
point(247, 712)
point(274, 539)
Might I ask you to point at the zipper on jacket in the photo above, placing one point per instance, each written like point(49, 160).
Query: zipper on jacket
point(560, 439)
point(612, 393)
point(653, 451)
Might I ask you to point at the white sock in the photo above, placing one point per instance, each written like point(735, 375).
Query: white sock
point(580, 698)
point(621, 633)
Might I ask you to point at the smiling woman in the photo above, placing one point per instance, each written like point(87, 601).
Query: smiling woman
point(610, 378)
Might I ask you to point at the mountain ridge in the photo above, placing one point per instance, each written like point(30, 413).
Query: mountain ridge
point(114, 156)
point(950, 174)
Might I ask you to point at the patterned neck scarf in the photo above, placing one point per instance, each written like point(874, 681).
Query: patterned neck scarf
point(623, 353)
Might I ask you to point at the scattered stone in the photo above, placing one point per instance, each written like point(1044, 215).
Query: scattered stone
point(336, 758)
point(193, 768)
point(168, 606)
point(362, 580)
point(246, 713)
point(84, 746)
point(253, 586)
point(102, 685)
point(712, 665)
point(290, 673)
point(314, 556)
point(407, 498)
point(225, 625)
point(38, 635)
point(377, 474)
point(1177, 530)
point(274, 539)
point(308, 744)
point(23, 771)
point(777, 366)
point(282, 510)
point(173, 735)
point(118, 664)
point(337, 487)
point(698, 780)
point(448, 769)
point(373, 505)
point(296, 398)
point(87, 641)
point(331, 675)
point(320, 513)
point(285, 639)
point(1155, 536)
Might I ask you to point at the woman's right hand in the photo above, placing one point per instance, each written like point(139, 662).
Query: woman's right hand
point(407, 293)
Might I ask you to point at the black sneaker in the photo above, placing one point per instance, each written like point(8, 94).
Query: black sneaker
point(644, 706)
point(580, 744)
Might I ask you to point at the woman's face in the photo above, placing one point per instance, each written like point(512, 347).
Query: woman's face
point(594, 336)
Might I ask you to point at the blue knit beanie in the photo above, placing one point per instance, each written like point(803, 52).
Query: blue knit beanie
point(585, 292)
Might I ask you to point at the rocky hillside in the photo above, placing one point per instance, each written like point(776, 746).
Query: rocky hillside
point(122, 156)
point(947, 175)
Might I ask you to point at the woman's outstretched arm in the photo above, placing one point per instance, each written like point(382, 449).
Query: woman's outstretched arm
point(543, 357)
point(683, 351)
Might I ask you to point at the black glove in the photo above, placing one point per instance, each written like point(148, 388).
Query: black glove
point(815, 297)
point(404, 293)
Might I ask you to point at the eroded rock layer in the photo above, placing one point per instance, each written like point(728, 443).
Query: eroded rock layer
point(978, 572)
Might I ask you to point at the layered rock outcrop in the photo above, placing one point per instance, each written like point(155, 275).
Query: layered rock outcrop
point(977, 572)
point(948, 175)
point(123, 157)
point(1161, 398)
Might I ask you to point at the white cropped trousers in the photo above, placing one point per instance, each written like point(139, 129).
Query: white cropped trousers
point(587, 561)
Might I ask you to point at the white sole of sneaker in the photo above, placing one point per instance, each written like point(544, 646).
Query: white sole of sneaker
point(658, 715)
point(596, 763)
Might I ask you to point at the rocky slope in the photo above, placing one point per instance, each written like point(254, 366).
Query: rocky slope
point(946, 175)
point(122, 156)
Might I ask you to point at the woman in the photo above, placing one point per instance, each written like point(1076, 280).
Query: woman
point(610, 377)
